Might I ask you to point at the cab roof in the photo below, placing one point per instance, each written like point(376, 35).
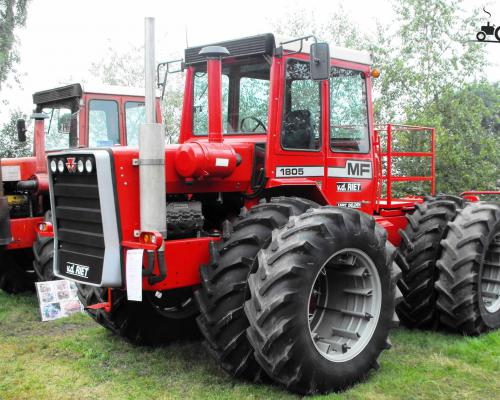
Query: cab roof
point(77, 90)
point(266, 45)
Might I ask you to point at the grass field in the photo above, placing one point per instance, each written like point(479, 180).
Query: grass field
point(74, 358)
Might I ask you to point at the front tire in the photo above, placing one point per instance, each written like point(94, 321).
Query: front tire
point(469, 279)
point(322, 300)
point(223, 284)
point(141, 323)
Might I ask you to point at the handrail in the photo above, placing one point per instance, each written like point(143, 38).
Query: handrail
point(389, 154)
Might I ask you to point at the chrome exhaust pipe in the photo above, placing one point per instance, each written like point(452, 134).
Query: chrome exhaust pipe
point(152, 151)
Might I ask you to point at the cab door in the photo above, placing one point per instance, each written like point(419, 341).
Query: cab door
point(296, 154)
point(349, 153)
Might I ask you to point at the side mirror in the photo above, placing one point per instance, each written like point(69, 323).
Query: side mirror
point(21, 130)
point(320, 61)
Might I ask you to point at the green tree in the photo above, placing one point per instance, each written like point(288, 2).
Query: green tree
point(338, 28)
point(12, 15)
point(10, 147)
point(127, 69)
point(424, 53)
point(121, 68)
point(467, 122)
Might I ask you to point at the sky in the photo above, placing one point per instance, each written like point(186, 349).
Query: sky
point(62, 38)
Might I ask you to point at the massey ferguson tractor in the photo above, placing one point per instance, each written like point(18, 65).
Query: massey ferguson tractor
point(64, 117)
point(268, 224)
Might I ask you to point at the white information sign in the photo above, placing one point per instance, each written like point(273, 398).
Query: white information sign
point(134, 274)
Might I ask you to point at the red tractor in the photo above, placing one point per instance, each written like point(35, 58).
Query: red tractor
point(267, 223)
point(64, 117)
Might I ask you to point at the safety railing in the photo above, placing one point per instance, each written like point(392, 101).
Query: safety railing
point(389, 178)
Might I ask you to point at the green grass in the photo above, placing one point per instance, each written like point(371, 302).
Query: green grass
point(74, 358)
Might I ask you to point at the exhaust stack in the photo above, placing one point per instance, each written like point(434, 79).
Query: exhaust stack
point(214, 56)
point(152, 156)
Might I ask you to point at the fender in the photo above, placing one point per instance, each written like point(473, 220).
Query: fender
point(301, 187)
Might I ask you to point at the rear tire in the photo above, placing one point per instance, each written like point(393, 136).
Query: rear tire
point(43, 251)
point(419, 250)
point(224, 283)
point(469, 280)
point(140, 323)
point(324, 279)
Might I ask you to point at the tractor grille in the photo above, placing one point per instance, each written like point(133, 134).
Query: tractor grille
point(78, 220)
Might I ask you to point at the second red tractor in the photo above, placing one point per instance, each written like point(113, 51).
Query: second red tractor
point(65, 117)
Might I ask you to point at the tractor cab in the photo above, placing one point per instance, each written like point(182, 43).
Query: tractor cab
point(77, 116)
point(73, 116)
point(308, 117)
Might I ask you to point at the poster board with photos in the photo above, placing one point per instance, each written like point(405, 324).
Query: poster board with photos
point(57, 299)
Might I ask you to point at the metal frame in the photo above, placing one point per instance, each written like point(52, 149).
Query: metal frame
point(389, 178)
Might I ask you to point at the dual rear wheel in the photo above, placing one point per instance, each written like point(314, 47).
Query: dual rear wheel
point(450, 257)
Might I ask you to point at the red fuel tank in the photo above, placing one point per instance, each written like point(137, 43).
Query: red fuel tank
point(199, 160)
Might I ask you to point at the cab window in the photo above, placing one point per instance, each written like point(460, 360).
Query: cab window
point(349, 111)
point(245, 97)
point(135, 115)
point(302, 109)
point(103, 123)
point(200, 106)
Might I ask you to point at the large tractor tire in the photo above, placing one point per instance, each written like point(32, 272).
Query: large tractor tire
point(469, 280)
point(160, 318)
point(224, 283)
point(14, 278)
point(322, 300)
point(419, 251)
point(43, 252)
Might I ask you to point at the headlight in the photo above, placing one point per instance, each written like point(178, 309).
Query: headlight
point(79, 166)
point(89, 166)
point(53, 166)
point(60, 166)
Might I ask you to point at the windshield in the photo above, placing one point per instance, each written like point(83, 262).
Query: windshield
point(60, 128)
point(245, 97)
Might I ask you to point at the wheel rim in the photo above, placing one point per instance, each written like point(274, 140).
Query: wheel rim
point(344, 305)
point(174, 304)
point(490, 279)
